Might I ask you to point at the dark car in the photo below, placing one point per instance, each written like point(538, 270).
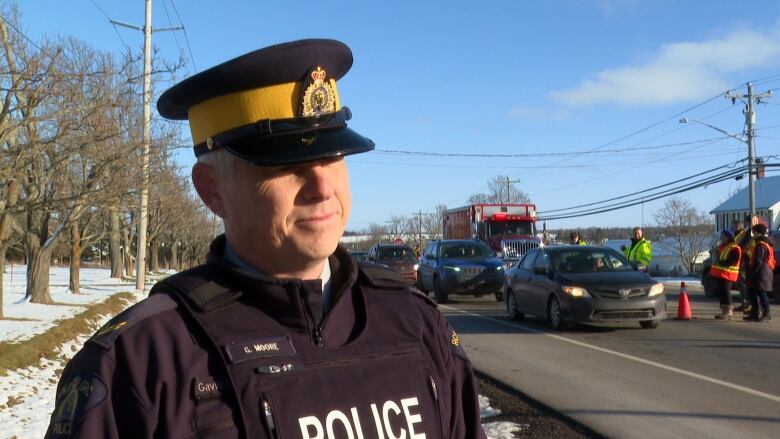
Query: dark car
point(460, 266)
point(359, 256)
point(569, 284)
point(398, 257)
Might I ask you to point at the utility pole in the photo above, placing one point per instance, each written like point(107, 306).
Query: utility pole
point(750, 133)
point(419, 214)
point(140, 261)
point(508, 183)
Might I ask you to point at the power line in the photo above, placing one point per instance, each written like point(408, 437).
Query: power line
point(186, 38)
point(21, 33)
point(717, 179)
point(112, 24)
point(651, 189)
point(544, 154)
point(170, 23)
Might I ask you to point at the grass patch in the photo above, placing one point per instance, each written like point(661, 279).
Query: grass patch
point(20, 319)
point(20, 355)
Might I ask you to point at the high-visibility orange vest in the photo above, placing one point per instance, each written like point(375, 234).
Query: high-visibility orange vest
point(721, 269)
point(770, 260)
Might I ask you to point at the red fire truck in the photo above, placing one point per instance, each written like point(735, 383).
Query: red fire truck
point(509, 229)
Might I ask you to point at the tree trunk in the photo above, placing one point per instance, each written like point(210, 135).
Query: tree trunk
point(126, 259)
point(3, 248)
point(174, 257)
point(115, 245)
point(155, 256)
point(38, 263)
point(75, 257)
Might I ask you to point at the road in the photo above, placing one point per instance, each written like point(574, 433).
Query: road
point(697, 378)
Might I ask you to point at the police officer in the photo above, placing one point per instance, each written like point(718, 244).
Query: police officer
point(279, 334)
point(640, 252)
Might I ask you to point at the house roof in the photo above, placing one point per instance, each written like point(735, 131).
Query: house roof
point(767, 195)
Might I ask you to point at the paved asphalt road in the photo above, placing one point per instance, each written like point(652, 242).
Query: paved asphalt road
point(697, 378)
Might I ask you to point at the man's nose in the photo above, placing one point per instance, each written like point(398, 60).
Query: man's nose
point(317, 183)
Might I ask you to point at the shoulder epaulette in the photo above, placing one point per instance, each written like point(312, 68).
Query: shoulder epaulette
point(425, 297)
point(193, 285)
point(381, 276)
point(107, 335)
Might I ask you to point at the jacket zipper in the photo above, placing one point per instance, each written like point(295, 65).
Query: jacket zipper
point(435, 392)
point(316, 332)
point(269, 419)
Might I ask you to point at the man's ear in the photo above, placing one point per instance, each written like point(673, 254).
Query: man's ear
point(205, 180)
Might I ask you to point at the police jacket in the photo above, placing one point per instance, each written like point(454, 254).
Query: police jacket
point(217, 353)
point(762, 264)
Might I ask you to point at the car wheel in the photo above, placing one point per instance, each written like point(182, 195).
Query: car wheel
point(511, 307)
point(649, 324)
point(554, 314)
point(441, 295)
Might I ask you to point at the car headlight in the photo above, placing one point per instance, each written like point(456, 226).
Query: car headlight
point(416, 267)
point(576, 291)
point(500, 268)
point(451, 268)
point(656, 290)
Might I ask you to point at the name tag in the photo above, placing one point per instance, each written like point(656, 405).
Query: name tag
point(263, 348)
point(207, 388)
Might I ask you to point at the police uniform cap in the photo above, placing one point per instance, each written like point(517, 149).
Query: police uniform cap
point(760, 228)
point(274, 106)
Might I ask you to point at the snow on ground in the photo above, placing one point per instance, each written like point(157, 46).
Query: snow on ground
point(496, 430)
point(96, 286)
point(29, 394)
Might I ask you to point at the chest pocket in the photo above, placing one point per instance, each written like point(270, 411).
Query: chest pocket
point(389, 395)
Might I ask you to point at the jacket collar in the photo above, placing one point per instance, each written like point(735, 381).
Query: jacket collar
point(293, 302)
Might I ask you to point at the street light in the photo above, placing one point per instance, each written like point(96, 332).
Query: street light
point(751, 175)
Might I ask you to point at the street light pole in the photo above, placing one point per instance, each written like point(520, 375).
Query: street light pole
point(750, 122)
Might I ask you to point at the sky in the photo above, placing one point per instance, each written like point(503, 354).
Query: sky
point(607, 78)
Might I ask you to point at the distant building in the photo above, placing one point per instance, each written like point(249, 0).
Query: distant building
point(738, 206)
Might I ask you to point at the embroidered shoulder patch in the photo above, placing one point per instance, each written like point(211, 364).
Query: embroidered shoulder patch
point(457, 347)
point(79, 395)
point(144, 309)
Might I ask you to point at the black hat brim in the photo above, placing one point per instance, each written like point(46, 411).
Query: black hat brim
point(300, 148)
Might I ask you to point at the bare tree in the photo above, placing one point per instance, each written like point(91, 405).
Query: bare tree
point(501, 190)
point(396, 227)
point(689, 230)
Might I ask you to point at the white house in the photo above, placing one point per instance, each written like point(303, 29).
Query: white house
point(737, 208)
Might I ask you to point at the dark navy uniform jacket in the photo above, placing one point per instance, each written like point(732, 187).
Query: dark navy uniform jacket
point(217, 353)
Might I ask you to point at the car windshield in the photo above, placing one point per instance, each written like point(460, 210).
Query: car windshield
point(395, 253)
point(588, 261)
point(465, 251)
point(510, 228)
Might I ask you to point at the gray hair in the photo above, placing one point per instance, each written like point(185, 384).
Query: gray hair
point(221, 161)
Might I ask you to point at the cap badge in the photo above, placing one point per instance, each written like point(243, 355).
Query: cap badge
point(319, 97)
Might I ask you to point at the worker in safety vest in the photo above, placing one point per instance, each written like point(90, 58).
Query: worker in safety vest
point(725, 271)
point(760, 275)
point(640, 252)
point(576, 239)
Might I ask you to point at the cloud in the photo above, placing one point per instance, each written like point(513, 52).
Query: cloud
point(678, 72)
point(538, 113)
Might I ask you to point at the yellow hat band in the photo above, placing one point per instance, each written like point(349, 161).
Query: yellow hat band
point(226, 112)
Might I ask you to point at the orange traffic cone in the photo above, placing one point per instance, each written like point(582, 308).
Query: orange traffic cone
point(683, 306)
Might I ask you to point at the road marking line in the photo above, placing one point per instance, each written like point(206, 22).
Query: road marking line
point(747, 390)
